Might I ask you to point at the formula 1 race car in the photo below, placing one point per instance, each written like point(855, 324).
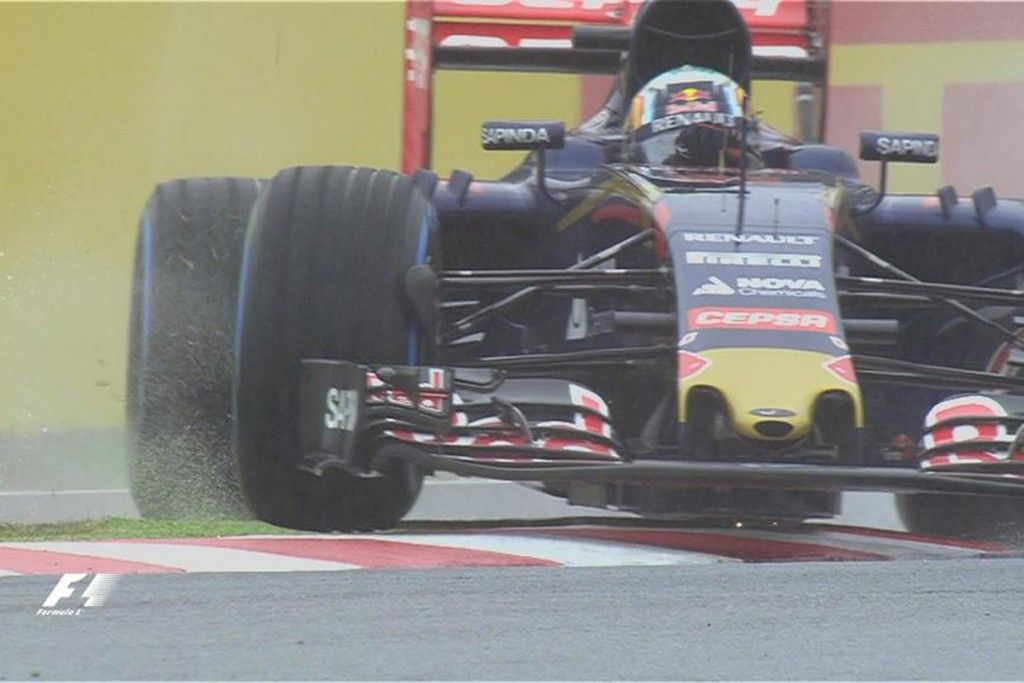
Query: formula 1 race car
point(678, 342)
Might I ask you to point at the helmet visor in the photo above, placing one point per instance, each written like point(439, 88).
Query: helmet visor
point(672, 117)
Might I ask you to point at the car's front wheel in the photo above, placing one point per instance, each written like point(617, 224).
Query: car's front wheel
point(323, 277)
point(971, 517)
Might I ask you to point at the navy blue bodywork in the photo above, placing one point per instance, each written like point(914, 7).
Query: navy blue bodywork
point(591, 204)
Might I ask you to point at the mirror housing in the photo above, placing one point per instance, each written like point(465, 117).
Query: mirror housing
point(912, 148)
point(522, 135)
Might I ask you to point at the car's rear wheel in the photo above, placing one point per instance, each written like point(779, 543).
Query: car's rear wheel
point(178, 400)
point(324, 277)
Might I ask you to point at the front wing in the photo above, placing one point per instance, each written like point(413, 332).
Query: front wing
point(477, 422)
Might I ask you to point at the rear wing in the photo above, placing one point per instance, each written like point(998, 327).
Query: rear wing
point(587, 37)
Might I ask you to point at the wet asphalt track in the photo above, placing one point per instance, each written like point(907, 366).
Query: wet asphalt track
point(935, 620)
point(948, 619)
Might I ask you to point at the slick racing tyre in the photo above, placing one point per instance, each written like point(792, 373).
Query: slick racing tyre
point(323, 276)
point(184, 293)
point(971, 517)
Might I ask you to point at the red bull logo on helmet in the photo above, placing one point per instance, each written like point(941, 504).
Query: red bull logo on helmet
point(691, 94)
point(692, 97)
point(686, 96)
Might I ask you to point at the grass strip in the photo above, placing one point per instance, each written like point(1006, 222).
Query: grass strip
point(121, 527)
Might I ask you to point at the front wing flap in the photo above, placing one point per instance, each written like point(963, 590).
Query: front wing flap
point(463, 414)
point(477, 422)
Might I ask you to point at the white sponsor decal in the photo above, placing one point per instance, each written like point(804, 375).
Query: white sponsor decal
point(589, 5)
point(725, 258)
point(763, 286)
point(679, 120)
point(341, 409)
point(749, 238)
point(761, 8)
point(780, 286)
point(907, 147)
point(761, 319)
point(514, 136)
point(714, 286)
point(469, 40)
point(95, 594)
point(688, 338)
point(772, 412)
point(417, 55)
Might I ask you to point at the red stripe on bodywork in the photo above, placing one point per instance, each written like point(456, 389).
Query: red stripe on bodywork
point(373, 553)
point(416, 89)
point(725, 545)
point(25, 561)
point(626, 213)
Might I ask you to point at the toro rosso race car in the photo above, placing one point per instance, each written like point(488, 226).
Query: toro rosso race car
point(743, 334)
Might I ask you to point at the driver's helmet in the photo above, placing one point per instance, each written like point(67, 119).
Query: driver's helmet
point(688, 116)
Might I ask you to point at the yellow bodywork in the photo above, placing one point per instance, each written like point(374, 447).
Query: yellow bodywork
point(758, 378)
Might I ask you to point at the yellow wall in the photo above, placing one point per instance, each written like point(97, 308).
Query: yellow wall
point(99, 102)
point(102, 101)
point(775, 103)
point(466, 99)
